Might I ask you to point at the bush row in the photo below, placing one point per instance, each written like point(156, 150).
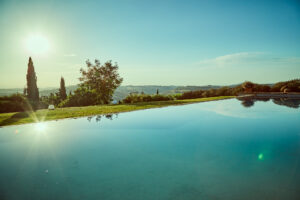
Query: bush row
point(134, 98)
point(18, 103)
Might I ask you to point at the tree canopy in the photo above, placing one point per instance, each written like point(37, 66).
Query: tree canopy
point(101, 80)
point(62, 89)
point(98, 83)
point(32, 90)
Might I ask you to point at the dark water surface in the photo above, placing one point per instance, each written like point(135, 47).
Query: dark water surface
point(213, 150)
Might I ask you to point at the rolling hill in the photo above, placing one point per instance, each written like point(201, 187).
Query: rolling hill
point(122, 91)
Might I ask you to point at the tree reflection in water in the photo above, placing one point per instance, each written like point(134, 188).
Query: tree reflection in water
point(292, 103)
point(99, 117)
point(250, 101)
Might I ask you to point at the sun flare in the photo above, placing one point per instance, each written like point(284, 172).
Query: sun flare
point(40, 127)
point(37, 44)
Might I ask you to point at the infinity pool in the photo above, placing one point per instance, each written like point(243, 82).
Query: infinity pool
point(213, 150)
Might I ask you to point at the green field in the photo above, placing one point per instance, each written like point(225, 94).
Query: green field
point(73, 112)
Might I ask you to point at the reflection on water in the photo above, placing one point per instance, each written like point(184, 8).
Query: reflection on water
point(292, 103)
point(98, 117)
point(211, 150)
point(250, 101)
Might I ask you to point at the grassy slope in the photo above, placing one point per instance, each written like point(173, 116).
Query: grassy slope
point(72, 112)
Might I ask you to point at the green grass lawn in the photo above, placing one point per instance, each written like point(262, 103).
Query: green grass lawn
point(73, 112)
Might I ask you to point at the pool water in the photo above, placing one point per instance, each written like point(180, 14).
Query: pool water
point(212, 150)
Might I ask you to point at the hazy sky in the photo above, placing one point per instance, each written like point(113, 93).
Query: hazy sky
point(154, 42)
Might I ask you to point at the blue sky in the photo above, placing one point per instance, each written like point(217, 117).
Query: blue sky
point(154, 42)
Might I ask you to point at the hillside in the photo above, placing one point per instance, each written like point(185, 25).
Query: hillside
point(122, 91)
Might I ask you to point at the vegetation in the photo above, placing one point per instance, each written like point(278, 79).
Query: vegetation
point(100, 81)
point(223, 91)
point(18, 103)
point(57, 97)
point(134, 98)
point(124, 90)
point(287, 86)
point(97, 86)
point(246, 87)
point(62, 89)
point(82, 97)
point(250, 87)
point(52, 99)
point(13, 103)
point(120, 93)
point(31, 91)
point(71, 112)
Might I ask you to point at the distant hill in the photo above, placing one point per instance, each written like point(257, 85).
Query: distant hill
point(43, 91)
point(123, 91)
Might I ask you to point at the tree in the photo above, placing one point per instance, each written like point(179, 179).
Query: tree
point(292, 86)
point(62, 89)
point(25, 91)
point(157, 91)
point(32, 90)
point(248, 86)
point(248, 103)
point(102, 80)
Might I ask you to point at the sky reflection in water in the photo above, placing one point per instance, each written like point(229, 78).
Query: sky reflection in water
point(213, 150)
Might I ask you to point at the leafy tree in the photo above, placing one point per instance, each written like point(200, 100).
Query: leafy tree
point(102, 80)
point(32, 90)
point(248, 86)
point(62, 90)
point(98, 83)
point(81, 97)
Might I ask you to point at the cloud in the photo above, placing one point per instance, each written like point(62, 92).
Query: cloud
point(248, 59)
point(238, 57)
point(231, 108)
point(70, 55)
point(233, 112)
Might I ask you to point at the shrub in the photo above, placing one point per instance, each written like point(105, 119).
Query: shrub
point(134, 98)
point(292, 86)
point(192, 95)
point(13, 103)
point(81, 97)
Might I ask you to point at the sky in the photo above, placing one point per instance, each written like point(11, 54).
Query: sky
point(157, 42)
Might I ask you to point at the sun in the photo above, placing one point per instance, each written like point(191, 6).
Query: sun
point(37, 44)
point(40, 127)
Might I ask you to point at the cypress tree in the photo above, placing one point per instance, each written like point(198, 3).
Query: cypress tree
point(32, 90)
point(25, 91)
point(62, 90)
